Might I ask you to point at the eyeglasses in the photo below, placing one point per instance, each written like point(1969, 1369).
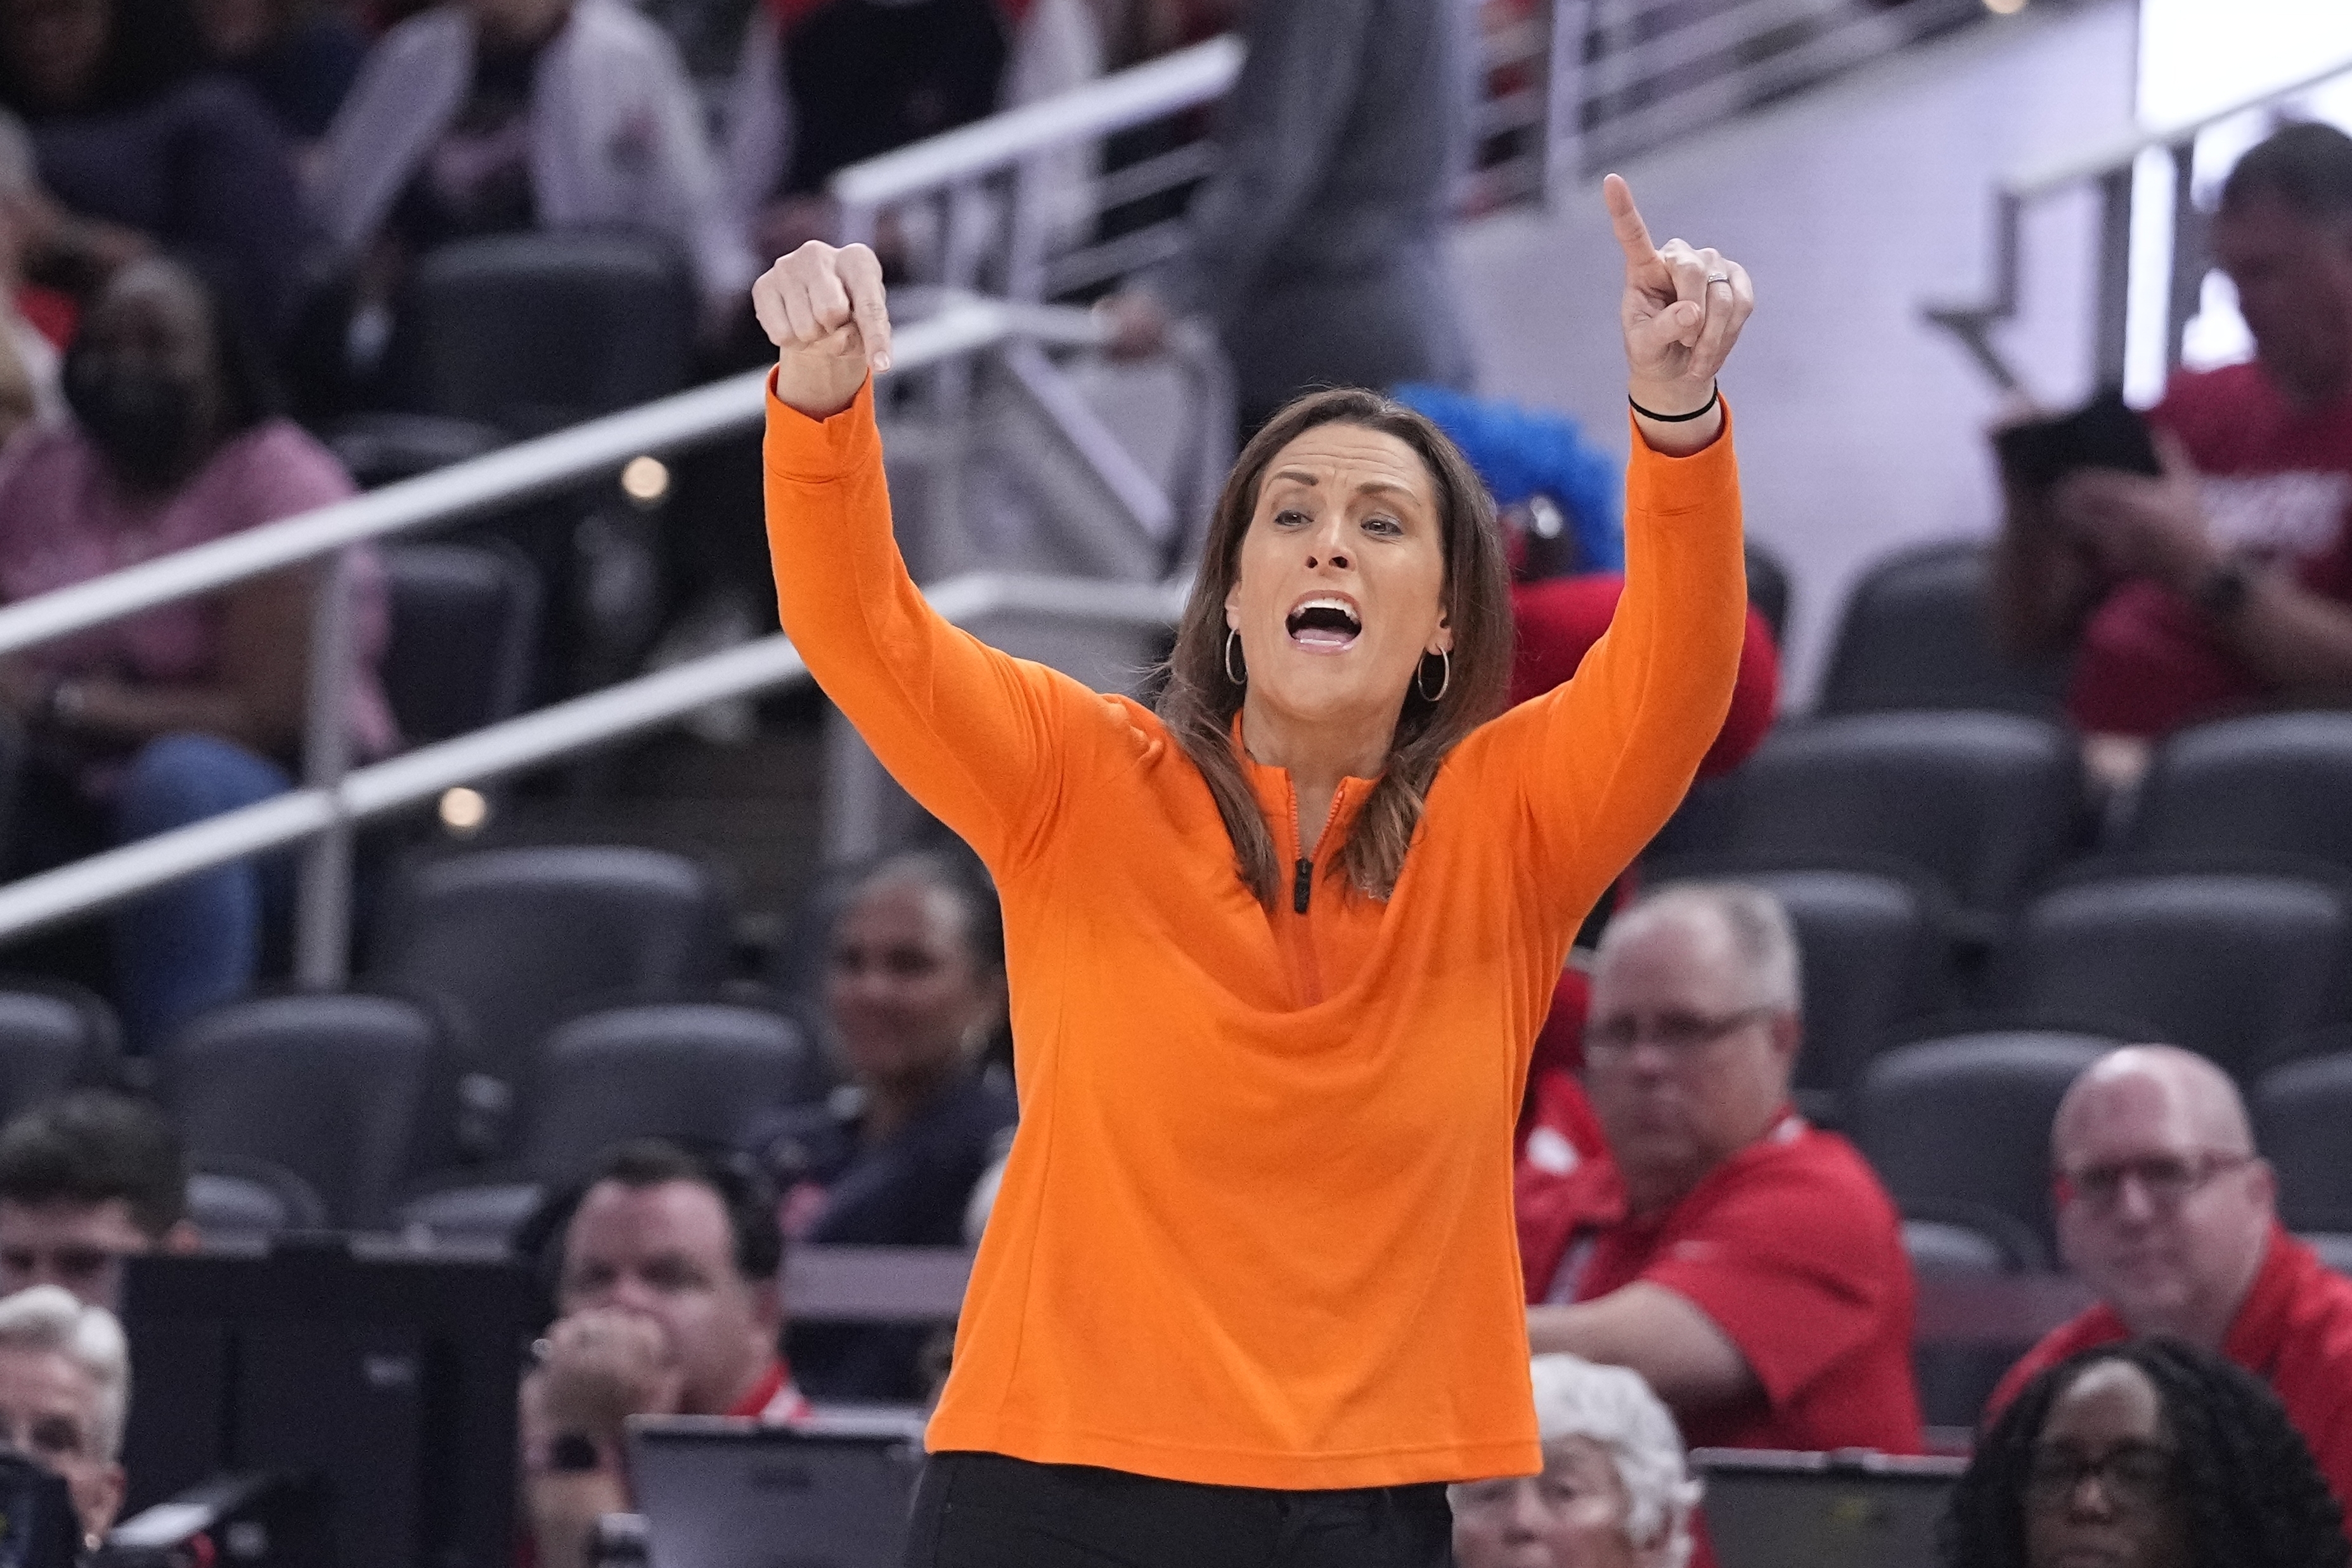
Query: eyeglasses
point(2133, 1475)
point(1676, 1034)
point(2169, 1180)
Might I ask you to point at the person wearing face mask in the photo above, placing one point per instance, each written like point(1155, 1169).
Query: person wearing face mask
point(2145, 1454)
point(1277, 947)
point(196, 707)
point(1614, 1493)
point(914, 991)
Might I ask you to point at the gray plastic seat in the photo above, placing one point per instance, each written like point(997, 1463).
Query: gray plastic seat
point(2230, 966)
point(1963, 1123)
point(465, 626)
point(511, 942)
point(2333, 1247)
point(2266, 790)
point(490, 328)
point(330, 1087)
point(1982, 804)
point(2303, 1125)
point(243, 1201)
point(699, 1073)
point(52, 1037)
point(1917, 633)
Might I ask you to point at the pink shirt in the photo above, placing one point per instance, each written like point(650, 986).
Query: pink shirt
point(64, 521)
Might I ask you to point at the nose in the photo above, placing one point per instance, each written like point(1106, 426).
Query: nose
point(1329, 544)
point(2133, 1203)
point(2089, 1500)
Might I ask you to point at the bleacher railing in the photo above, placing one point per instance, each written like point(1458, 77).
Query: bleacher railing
point(1019, 205)
point(332, 798)
point(2111, 169)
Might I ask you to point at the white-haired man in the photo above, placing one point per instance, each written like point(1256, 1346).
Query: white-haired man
point(65, 1393)
point(2167, 1212)
point(1614, 1491)
point(1758, 1279)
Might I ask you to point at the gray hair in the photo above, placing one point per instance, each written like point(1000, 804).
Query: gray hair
point(50, 1318)
point(1613, 1406)
point(1758, 929)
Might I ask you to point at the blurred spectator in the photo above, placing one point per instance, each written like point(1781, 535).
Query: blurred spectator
point(28, 359)
point(1614, 1491)
point(2228, 582)
point(141, 153)
point(1757, 1279)
point(300, 57)
point(87, 1180)
point(2166, 1211)
point(915, 990)
point(65, 1395)
point(481, 116)
point(2150, 1453)
point(1317, 248)
point(822, 84)
point(196, 707)
point(664, 1271)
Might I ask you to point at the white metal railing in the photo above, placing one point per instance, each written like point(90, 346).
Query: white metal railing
point(2108, 165)
point(331, 798)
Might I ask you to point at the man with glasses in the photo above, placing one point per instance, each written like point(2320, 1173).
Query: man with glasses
point(1757, 1277)
point(2167, 1212)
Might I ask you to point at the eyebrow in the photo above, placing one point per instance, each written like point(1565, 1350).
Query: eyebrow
point(1300, 476)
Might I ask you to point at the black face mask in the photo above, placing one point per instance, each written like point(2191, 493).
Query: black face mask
point(141, 421)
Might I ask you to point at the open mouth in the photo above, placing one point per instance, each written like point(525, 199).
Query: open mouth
point(1325, 622)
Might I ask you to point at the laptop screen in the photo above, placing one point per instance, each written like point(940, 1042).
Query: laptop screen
point(1770, 1509)
point(718, 1493)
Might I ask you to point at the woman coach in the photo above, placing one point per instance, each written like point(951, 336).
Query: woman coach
point(1277, 951)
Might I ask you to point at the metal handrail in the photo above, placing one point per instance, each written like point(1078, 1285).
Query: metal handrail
point(512, 474)
point(1132, 96)
point(2108, 164)
point(563, 730)
point(333, 798)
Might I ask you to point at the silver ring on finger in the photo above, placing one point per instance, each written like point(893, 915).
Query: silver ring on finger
point(1719, 277)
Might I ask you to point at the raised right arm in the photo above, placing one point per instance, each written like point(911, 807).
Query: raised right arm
point(970, 732)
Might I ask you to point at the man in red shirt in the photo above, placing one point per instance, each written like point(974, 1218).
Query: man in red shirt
point(2227, 582)
point(1756, 1278)
point(2165, 1210)
point(665, 1275)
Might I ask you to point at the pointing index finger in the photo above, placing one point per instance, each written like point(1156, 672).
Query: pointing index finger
point(1632, 234)
point(861, 273)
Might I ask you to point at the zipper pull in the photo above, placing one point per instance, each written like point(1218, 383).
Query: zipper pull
point(1302, 884)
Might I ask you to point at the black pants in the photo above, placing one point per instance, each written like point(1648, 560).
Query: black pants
point(986, 1511)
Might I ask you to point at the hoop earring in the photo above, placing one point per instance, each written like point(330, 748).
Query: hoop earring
point(1421, 676)
point(1233, 642)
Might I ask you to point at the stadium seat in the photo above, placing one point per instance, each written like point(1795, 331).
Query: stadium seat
point(1917, 633)
point(1872, 947)
point(2333, 1247)
point(1767, 590)
point(490, 329)
point(328, 1086)
point(384, 446)
point(1964, 1243)
point(1983, 804)
point(2303, 1125)
point(2232, 965)
point(511, 942)
point(1962, 1123)
point(235, 1201)
point(2266, 790)
point(700, 1072)
point(53, 1037)
point(465, 627)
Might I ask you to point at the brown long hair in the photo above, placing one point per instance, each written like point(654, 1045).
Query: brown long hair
point(1200, 698)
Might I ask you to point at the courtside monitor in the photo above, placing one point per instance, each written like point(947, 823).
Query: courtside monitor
point(388, 1373)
